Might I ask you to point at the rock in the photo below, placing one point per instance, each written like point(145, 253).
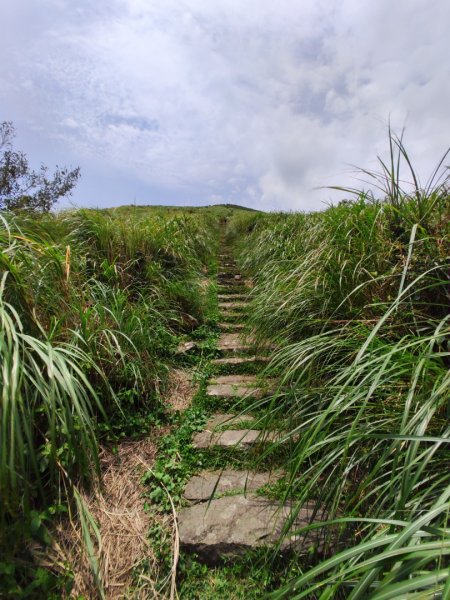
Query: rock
point(233, 438)
point(239, 360)
point(220, 419)
point(231, 326)
point(201, 487)
point(238, 306)
point(232, 315)
point(228, 297)
point(231, 342)
point(185, 347)
point(227, 390)
point(229, 526)
point(249, 380)
point(231, 386)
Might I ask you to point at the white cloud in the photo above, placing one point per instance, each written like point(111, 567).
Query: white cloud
point(258, 102)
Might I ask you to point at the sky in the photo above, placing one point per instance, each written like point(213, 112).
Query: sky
point(254, 102)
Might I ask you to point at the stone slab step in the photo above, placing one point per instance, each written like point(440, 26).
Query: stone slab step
point(233, 438)
point(234, 305)
point(232, 282)
point(227, 419)
point(239, 360)
point(229, 297)
point(229, 390)
point(232, 342)
point(227, 527)
point(207, 484)
point(247, 380)
point(232, 315)
point(229, 275)
point(231, 326)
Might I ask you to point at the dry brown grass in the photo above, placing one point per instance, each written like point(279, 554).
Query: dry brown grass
point(118, 509)
point(180, 390)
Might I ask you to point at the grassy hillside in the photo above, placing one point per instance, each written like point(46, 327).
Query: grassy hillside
point(354, 301)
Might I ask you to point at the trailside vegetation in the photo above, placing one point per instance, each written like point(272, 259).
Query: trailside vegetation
point(356, 299)
point(92, 305)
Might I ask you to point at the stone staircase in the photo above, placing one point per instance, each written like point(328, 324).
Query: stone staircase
point(225, 516)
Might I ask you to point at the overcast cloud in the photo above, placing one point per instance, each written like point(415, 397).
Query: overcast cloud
point(205, 101)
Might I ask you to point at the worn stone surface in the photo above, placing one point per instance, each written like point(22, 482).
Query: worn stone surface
point(250, 380)
point(231, 386)
point(238, 306)
point(232, 282)
point(203, 486)
point(239, 360)
point(240, 438)
point(232, 296)
point(231, 274)
point(232, 342)
point(226, 419)
point(184, 347)
point(229, 526)
point(231, 326)
point(227, 390)
point(232, 316)
point(233, 438)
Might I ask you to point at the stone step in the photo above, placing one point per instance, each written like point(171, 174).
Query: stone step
point(227, 527)
point(231, 326)
point(237, 380)
point(239, 360)
point(232, 315)
point(226, 419)
point(229, 297)
point(235, 305)
point(230, 290)
point(228, 390)
point(232, 342)
point(207, 484)
point(229, 275)
point(232, 386)
point(235, 281)
point(242, 439)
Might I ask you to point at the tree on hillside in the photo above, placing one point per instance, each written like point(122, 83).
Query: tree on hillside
point(23, 188)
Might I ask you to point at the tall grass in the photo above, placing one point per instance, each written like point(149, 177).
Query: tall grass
point(357, 300)
point(91, 304)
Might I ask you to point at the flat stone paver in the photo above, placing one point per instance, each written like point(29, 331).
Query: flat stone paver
point(203, 486)
point(229, 526)
point(243, 386)
point(240, 360)
point(230, 438)
point(232, 342)
point(232, 305)
point(232, 296)
point(231, 326)
point(227, 390)
point(232, 316)
point(227, 419)
point(250, 380)
point(233, 438)
point(229, 275)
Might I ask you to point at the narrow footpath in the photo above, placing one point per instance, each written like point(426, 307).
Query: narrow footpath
point(226, 516)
